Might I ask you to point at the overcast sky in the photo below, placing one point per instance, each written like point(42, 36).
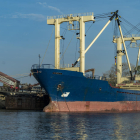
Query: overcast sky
point(24, 33)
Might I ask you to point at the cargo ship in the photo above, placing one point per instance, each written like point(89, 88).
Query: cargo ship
point(70, 89)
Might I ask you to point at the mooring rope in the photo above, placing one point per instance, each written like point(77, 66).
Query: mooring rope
point(48, 45)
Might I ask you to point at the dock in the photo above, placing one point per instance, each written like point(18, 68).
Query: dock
point(26, 100)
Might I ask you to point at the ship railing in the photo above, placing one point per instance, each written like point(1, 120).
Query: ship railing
point(68, 65)
point(43, 66)
point(97, 77)
point(70, 15)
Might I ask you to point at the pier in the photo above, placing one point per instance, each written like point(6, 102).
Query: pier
point(23, 100)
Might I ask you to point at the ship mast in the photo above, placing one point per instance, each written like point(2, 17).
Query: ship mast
point(56, 21)
point(120, 53)
point(121, 40)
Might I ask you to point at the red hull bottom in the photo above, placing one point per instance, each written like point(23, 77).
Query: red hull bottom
point(88, 106)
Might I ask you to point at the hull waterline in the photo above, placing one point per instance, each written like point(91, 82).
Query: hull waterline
point(78, 106)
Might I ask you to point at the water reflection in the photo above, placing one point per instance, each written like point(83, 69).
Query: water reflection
point(81, 129)
point(57, 126)
point(56, 129)
point(126, 125)
point(118, 127)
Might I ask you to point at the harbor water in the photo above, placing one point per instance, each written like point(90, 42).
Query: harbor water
point(37, 125)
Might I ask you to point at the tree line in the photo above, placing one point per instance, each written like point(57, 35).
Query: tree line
point(111, 75)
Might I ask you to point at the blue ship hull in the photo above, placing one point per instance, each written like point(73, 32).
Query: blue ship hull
point(69, 87)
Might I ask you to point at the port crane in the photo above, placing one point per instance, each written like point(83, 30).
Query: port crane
point(8, 80)
point(85, 18)
point(11, 82)
point(81, 19)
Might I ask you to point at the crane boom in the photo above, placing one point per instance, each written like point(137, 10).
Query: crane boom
point(124, 45)
point(97, 36)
